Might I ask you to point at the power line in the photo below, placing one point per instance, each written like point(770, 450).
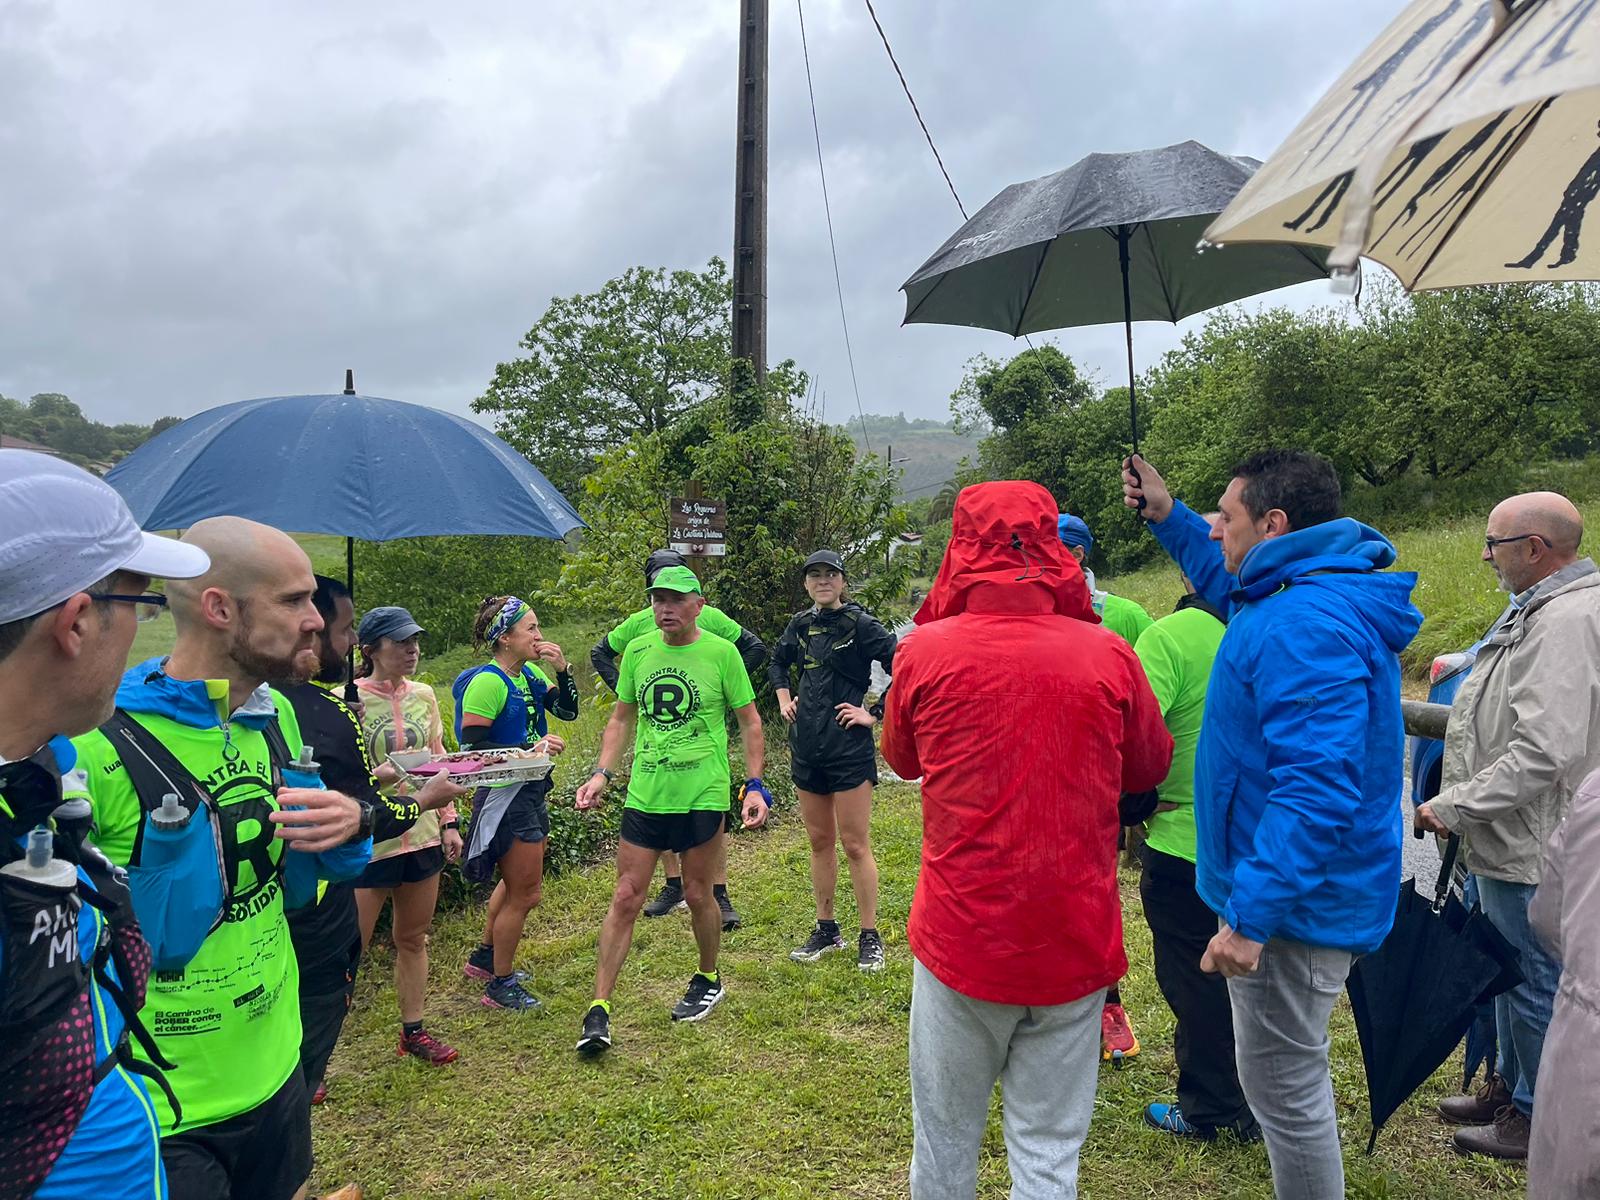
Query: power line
point(827, 209)
point(918, 112)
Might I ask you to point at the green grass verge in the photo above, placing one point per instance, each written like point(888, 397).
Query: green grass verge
point(796, 1087)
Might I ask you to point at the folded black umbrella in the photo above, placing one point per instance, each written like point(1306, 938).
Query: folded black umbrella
point(1415, 996)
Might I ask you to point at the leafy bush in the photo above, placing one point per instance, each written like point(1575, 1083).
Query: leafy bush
point(1423, 403)
point(442, 580)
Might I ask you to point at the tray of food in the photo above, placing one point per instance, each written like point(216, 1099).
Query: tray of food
point(476, 768)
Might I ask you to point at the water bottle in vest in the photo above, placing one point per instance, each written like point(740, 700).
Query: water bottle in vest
point(72, 819)
point(304, 873)
point(176, 892)
point(300, 868)
point(43, 971)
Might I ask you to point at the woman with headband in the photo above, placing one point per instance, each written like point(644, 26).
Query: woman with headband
point(503, 704)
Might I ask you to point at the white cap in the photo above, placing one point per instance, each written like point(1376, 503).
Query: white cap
point(62, 530)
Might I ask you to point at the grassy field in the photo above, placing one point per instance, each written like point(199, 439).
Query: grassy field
point(1456, 590)
point(796, 1087)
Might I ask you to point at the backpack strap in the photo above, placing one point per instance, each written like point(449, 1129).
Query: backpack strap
point(152, 769)
point(277, 750)
point(122, 1054)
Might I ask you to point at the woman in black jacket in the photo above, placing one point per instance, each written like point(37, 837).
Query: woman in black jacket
point(834, 760)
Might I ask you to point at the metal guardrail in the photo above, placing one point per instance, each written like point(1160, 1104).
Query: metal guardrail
point(1423, 719)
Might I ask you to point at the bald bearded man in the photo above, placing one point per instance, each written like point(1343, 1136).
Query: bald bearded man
point(229, 1019)
point(1522, 737)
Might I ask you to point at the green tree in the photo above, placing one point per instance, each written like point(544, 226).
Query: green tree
point(792, 484)
point(1049, 424)
point(599, 368)
point(442, 580)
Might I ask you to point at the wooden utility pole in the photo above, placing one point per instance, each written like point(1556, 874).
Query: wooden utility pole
point(750, 193)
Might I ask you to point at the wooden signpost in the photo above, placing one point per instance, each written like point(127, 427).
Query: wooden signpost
point(697, 527)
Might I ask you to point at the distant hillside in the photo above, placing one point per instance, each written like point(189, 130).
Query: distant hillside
point(932, 449)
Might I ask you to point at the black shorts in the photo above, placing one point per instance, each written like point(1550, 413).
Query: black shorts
point(417, 866)
point(263, 1154)
point(827, 778)
point(526, 819)
point(672, 831)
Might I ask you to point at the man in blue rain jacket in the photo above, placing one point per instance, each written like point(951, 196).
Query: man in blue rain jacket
point(1297, 777)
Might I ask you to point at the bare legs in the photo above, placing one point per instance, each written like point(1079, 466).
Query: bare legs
point(842, 818)
point(701, 867)
point(515, 896)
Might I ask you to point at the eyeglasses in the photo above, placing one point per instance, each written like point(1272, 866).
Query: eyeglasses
point(1489, 543)
point(146, 608)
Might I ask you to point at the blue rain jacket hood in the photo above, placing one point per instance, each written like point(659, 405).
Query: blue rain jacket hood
point(147, 688)
point(1298, 776)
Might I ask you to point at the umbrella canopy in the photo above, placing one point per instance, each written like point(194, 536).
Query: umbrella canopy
point(1111, 238)
point(1462, 148)
point(356, 466)
point(1416, 995)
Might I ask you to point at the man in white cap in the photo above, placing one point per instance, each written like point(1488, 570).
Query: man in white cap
point(74, 572)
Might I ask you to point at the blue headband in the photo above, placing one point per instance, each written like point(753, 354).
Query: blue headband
point(510, 613)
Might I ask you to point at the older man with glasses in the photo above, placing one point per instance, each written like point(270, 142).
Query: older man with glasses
point(1522, 737)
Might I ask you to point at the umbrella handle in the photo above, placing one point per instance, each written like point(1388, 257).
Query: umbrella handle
point(1138, 481)
point(1441, 890)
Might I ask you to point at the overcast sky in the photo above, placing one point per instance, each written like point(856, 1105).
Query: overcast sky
point(201, 203)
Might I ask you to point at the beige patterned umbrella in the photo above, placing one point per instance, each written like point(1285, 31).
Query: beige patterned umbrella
point(1463, 147)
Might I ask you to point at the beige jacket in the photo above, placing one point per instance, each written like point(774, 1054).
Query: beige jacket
point(1564, 1156)
point(1525, 728)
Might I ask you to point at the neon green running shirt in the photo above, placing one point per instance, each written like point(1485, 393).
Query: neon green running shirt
point(230, 1020)
point(711, 620)
point(684, 693)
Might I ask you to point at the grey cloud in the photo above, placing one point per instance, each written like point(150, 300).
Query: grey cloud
point(203, 204)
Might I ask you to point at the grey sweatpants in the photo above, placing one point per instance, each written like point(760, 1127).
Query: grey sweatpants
point(1047, 1061)
point(1280, 1035)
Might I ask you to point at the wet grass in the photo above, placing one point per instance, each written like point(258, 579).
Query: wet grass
point(796, 1086)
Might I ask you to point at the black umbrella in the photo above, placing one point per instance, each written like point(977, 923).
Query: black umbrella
point(1114, 237)
point(1414, 997)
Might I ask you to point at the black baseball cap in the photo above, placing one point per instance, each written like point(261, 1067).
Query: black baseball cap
point(825, 558)
point(660, 559)
point(390, 622)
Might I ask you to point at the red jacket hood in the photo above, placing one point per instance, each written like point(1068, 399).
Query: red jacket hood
point(1005, 533)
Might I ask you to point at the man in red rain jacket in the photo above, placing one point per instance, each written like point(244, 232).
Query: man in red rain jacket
point(1026, 721)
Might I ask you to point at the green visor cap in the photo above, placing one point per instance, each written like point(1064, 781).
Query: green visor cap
point(674, 579)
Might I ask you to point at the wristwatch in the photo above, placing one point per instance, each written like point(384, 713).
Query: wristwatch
point(368, 815)
point(599, 770)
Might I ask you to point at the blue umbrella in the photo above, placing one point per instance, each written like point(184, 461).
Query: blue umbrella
point(344, 464)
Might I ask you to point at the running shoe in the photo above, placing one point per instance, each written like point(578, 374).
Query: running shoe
point(668, 898)
point(480, 966)
point(822, 942)
point(596, 1037)
point(702, 996)
point(730, 917)
point(869, 955)
point(1117, 1043)
point(512, 995)
point(428, 1048)
point(1169, 1118)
